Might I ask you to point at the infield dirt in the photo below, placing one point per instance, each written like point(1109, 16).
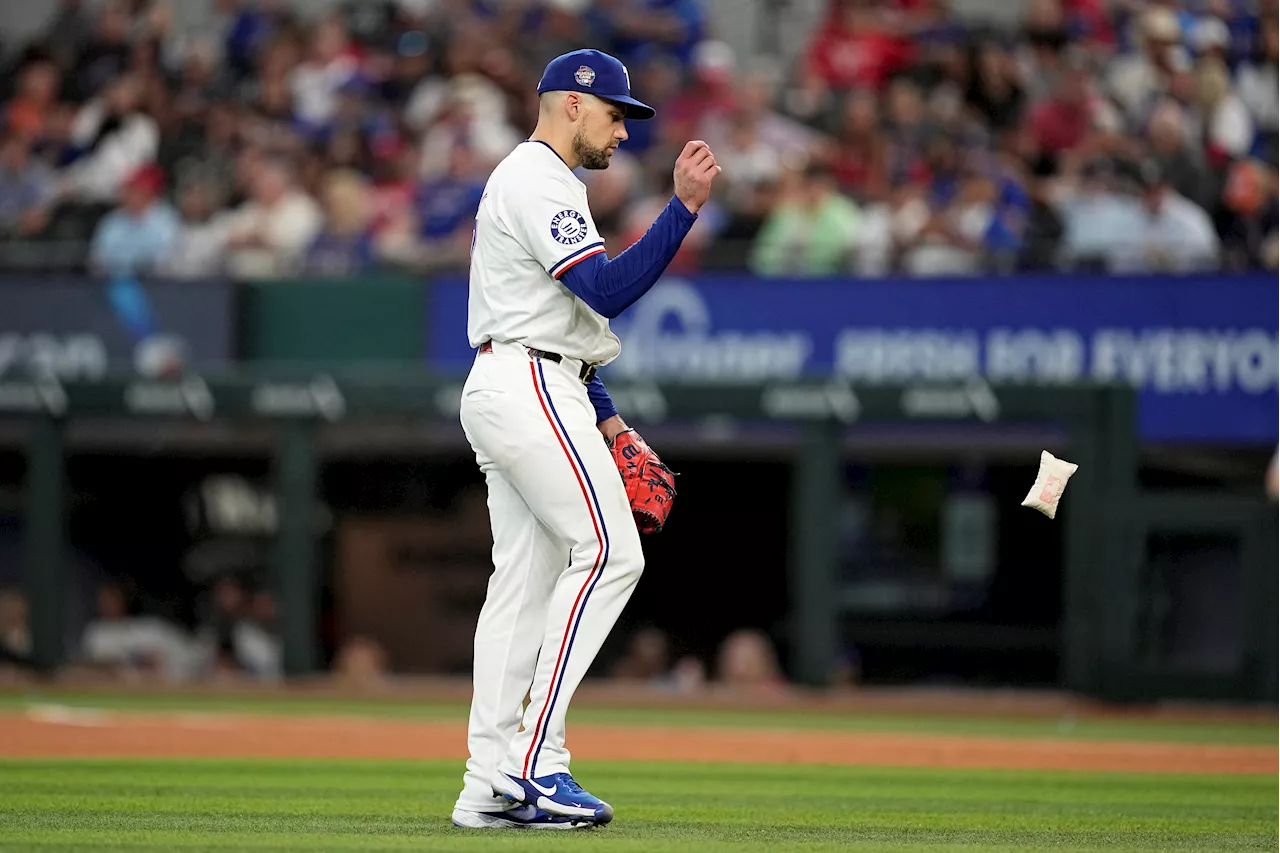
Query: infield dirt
point(65, 732)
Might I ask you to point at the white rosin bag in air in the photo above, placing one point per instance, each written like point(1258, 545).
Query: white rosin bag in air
point(1050, 483)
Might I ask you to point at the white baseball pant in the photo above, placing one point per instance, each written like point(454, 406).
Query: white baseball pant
point(566, 558)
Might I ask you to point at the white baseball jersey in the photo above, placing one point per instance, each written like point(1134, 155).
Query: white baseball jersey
point(534, 224)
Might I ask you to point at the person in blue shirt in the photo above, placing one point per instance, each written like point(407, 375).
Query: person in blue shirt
point(135, 237)
point(346, 245)
point(26, 186)
point(449, 203)
point(648, 29)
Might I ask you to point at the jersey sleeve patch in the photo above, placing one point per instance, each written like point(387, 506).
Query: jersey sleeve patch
point(569, 227)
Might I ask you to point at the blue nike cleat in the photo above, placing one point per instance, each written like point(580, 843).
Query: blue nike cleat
point(520, 817)
point(556, 793)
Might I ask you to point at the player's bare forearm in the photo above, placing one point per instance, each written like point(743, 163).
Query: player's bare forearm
point(610, 427)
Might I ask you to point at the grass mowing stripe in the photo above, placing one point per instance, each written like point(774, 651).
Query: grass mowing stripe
point(364, 806)
point(1074, 728)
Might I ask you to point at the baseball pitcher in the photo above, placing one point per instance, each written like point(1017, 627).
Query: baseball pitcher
point(570, 486)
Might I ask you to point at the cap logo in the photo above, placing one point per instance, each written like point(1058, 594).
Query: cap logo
point(584, 75)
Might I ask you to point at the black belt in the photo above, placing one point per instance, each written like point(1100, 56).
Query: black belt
point(586, 374)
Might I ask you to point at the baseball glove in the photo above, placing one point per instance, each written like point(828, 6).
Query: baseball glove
point(650, 485)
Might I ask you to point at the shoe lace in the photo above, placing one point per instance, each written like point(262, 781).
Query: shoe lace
point(566, 783)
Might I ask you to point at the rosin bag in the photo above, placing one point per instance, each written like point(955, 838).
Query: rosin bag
point(1050, 484)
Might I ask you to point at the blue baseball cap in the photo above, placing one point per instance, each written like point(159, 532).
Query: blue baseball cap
point(593, 73)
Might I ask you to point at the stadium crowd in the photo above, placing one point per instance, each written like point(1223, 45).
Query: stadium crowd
point(1121, 136)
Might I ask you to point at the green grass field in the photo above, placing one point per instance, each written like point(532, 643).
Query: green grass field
point(364, 806)
point(309, 805)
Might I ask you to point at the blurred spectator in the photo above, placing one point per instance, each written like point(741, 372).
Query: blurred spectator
point(257, 647)
point(427, 100)
point(105, 56)
point(210, 159)
point(437, 230)
point(1182, 164)
point(563, 30)
point(710, 93)
point(1135, 77)
point(1044, 228)
point(26, 186)
point(216, 633)
point(811, 231)
point(331, 62)
point(688, 675)
point(237, 634)
point(994, 92)
point(269, 233)
point(1223, 120)
point(199, 83)
point(1094, 217)
point(747, 659)
point(1045, 36)
point(1062, 122)
point(862, 151)
point(345, 246)
point(199, 245)
point(1248, 216)
point(474, 117)
point(394, 187)
point(648, 657)
point(906, 128)
point(752, 107)
point(137, 236)
point(1273, 477)
point(113, 137)
point(27, 114)
point(360, 662)
point(126, 643)
point(952, 239)
point(1258, 89)
point(636, 30)
point(1209, 36)
point(859, 45)
point(68, 31)
point(751, 173)
point(15, 630)
point(1172, 234)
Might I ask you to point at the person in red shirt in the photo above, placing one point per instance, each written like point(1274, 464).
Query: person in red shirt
point(1064, 120)
point(859, 46)
point(710, 93)
point(861, 153)
point(1088, 21)
point(27, 114)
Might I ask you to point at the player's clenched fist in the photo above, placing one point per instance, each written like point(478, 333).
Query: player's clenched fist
point(695, 169)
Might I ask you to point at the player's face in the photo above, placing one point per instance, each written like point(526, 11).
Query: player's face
point(600, 130)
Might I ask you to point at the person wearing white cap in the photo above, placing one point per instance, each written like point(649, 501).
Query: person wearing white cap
point(1134, 78)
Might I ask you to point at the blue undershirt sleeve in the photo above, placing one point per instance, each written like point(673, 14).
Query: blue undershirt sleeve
point(609, 287)
point(600, 400)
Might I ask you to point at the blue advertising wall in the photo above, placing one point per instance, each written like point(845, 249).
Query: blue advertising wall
point(1203, 350)
point(79, 328)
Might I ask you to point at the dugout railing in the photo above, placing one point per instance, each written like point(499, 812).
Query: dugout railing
point(1109, 595)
